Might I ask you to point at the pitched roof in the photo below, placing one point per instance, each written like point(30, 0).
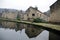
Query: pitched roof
point(56, 3)
point(34, 9)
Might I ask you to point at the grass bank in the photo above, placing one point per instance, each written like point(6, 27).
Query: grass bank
point(45, 25)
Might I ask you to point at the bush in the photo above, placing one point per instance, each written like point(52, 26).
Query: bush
point(38, 20)
point(18, 18)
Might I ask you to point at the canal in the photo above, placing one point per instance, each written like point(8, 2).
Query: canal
point(19, 31)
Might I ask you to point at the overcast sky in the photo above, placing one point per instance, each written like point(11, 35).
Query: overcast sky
point(43, 5)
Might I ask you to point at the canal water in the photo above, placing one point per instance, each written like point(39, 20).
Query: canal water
point(19, 31)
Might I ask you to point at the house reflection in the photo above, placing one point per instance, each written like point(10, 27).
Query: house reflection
point(33, 31)
point(13, 25)
point(20, 26)
point(30, 30)
point(10, 25)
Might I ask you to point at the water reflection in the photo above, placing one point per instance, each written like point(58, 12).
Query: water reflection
point(19, 31)
point(32, 31)
point(10, 25)
point(53, 36)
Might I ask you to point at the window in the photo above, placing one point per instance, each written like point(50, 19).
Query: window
point(33, 14)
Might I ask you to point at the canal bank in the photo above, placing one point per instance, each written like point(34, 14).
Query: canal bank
point(44, 25)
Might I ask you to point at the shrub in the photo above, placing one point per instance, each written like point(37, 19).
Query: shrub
point(18, 18)
point(38, 20)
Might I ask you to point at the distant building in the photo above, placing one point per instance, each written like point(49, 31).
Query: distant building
point(55, 12)
point(32, 13)
point(45, 16)
point(25, 17)
point(21, 14)
point(10, 14)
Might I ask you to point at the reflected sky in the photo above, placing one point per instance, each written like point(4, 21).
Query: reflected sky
point(9, 34)
point(18, 31)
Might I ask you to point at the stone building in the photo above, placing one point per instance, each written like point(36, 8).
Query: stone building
point(25, 17)
point(55, 12)
point(10, 14)
point(32, 13)
point(22, 15)
point(45, 16)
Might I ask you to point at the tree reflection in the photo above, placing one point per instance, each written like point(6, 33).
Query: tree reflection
point(20, 26)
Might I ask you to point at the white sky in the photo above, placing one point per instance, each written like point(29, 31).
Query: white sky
point(43, 5)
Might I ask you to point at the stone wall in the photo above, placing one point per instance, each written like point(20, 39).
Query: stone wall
point(55, 12)
point(44, 17)
point(9, 15)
